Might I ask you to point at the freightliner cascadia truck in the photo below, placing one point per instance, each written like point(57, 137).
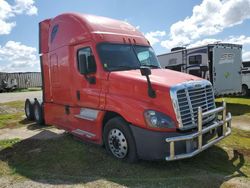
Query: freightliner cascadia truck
point(102, 82)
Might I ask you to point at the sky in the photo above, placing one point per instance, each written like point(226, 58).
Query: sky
point(166, 24)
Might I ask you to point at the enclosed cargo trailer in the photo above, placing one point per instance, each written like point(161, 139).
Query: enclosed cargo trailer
point(219, 63)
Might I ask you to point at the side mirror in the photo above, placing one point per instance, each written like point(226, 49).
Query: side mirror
point(86, 65)
point(145, 71)
point(91, 64)
point(82, 64)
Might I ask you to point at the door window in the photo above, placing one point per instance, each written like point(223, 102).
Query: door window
point(87, 52)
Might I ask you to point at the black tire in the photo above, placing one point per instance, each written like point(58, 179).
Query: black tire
point(38, 112)
point(120, 125)
point(29, 109)
point(245, 91)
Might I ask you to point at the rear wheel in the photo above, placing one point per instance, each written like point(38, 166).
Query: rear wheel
point(38, 112)
point(119, 140)
point(29, 109)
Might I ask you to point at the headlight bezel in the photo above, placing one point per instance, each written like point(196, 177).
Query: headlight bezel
point(156, 119)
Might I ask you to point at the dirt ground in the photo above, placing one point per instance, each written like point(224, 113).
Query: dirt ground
point(19, 96)
point(40, 133)
point(241, 124)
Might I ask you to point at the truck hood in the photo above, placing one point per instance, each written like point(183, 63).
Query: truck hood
point(159, 77)
point(128, 90)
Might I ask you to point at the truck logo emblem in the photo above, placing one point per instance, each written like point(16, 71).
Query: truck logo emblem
point(197, 85)
point(227, 56)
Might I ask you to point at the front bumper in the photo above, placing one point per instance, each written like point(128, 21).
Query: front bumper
point(224, 123)
point(152, 145)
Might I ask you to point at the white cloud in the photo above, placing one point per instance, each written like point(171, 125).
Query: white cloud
point(204, 42)
point(242, 40)
point(153, 37)
point(8, 11)
point(209, 18)
point(25, 6)
point(5, 27)
point(16, 57)
point(246, 56)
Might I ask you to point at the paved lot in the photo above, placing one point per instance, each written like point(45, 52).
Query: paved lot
point(19, 96)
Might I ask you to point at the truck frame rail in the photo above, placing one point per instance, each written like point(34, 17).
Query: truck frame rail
point(224, 122)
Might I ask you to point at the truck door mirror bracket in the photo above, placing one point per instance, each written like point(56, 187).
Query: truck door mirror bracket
point(90, 79)
point(146, 71)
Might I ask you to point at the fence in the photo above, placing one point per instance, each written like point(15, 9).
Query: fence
point(22, 79)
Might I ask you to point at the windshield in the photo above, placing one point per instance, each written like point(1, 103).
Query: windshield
point(116, 57)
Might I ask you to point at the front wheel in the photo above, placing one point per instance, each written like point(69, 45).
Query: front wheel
point(119, 140)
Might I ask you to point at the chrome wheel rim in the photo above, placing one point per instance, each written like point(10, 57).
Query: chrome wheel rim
point(36, 113)
point(27, 109)
point(117, 143)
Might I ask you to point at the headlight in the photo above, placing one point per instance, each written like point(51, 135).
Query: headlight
point(158, 120)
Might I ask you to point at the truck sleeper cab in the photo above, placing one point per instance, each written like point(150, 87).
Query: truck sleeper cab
point(103, 83)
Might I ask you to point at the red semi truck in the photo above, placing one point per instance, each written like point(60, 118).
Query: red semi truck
point(102, 82)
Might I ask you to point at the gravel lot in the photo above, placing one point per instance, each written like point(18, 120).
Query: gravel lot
point(19, 96)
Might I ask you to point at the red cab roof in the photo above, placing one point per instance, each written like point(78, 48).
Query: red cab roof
point(74, 28)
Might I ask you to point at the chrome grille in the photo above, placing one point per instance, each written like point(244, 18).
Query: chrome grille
point(188, 98)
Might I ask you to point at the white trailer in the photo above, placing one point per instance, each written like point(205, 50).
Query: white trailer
point(219, 63)
point(246, 78)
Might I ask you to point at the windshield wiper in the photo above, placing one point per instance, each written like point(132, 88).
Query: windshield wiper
point(151, 66)
point(118, 68)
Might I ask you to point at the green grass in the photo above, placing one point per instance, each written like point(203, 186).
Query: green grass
point(10, 120)
point(19, 105)
point(12, 114)
point(8, 143)
point(72, 161)
point(28, 89)
point(236, 105)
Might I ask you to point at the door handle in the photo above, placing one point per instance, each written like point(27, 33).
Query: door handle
point(78, 95)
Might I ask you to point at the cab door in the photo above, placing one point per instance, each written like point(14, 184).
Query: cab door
point(87, 87)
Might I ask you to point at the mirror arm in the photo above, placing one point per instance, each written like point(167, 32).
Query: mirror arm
point(90, 79)
point(151, 91)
